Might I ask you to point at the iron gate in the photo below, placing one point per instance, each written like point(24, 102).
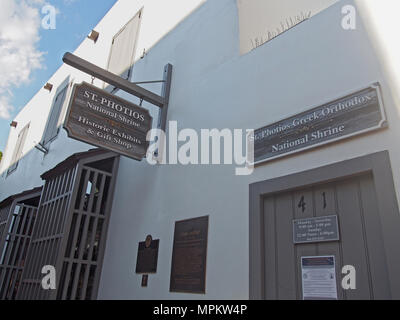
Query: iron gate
point(71, 227)
point(17, 217)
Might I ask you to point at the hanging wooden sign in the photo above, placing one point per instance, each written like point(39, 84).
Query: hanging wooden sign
point(104, 120)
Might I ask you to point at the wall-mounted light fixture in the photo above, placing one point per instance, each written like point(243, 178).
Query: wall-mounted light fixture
point(94, 35)
point(14, 124)
point(48, 86)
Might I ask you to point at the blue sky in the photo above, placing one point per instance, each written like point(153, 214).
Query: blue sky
point(30, 54)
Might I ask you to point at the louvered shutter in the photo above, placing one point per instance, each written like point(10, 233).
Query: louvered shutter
point(52, 127)
point(18, 148)
point(123, 48)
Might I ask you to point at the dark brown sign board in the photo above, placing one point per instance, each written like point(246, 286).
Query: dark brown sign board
point(189, 256)
point(353, 114)
point(147, 257)
point(104, 120)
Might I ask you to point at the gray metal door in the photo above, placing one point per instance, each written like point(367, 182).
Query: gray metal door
point(360, 245)
point(361, 193)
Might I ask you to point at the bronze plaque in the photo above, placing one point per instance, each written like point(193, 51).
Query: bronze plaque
point(348, 116)
point(189, 256)
point(104, 120)
point(147, 257)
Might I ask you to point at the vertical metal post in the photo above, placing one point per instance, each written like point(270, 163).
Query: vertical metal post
point(166, 89)
point(163, 112)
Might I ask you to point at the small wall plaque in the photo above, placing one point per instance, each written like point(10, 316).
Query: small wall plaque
point(147, 256)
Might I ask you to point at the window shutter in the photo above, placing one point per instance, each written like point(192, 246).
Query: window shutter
point(52, 126)
point(18, 148)
point(123, 48)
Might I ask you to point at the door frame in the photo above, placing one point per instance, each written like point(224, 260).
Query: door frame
point(377, 163)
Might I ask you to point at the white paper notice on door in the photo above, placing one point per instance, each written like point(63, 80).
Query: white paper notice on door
point(319, 278)
point(260, 21)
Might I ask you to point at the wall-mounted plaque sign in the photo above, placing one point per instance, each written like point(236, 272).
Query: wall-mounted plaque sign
point(189, 256)
point(147, 256)
point(320, 229)
point(104, 120)
point(351, 115)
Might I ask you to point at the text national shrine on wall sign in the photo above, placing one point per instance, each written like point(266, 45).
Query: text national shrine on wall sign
point(351, 115)
point(107, 121)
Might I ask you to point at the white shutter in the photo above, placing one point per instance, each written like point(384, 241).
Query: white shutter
point(52, 126)
point(123, 48)
point(18, 148)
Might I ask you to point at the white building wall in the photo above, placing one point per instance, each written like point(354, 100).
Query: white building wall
point(214, 87)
